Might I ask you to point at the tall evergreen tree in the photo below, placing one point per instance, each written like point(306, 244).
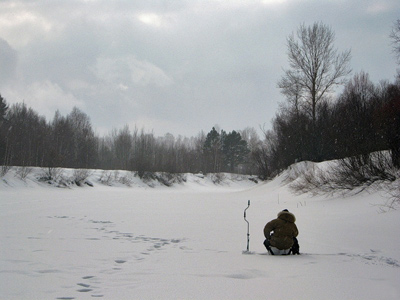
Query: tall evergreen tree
point(235, 150)
point(213, 151)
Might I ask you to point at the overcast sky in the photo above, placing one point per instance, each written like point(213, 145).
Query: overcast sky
point(177, 66)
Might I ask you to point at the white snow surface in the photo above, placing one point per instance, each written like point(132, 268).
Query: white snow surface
point(186, 242)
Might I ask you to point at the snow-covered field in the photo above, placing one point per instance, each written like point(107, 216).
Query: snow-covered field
point(186, 242)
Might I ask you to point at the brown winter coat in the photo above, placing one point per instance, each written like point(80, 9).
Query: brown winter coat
point(284, 230)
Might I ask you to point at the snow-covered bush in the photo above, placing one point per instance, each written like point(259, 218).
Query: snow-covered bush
point(106, 178)
point(116, 177)
point(167, 179)
point(126, 179)
point(217, 178)
point(4, 170)
point(51, 174)
point(310, 180)
point(366, 169)
point(80, 177)
point(393, 192)
point(343, 175)
point(23, 172)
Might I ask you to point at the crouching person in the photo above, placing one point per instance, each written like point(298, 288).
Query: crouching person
point(280, 234)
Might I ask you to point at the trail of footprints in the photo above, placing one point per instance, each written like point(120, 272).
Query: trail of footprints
point(83, 288)
point(155, 242)
point(374, 258)
point(89, 284)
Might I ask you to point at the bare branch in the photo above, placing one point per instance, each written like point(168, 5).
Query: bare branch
point(395, 36)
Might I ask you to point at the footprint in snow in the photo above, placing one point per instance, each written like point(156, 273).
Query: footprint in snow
point(120, 261)
point(84, 290)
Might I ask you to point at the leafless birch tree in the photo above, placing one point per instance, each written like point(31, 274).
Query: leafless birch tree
point(315, 66)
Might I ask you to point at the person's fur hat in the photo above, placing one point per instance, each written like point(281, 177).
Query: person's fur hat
point(287, 216)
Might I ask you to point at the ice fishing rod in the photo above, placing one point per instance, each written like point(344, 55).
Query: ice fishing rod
point(248, 227)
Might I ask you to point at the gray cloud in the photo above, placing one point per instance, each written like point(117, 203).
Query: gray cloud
point(174, 66)
point(8, 62)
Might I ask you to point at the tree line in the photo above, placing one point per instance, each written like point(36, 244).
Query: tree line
point(364, 118)
point(28, 139)
point(312, 124)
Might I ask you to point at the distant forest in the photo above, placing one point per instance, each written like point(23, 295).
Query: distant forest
point(363, 119)
point(312, 124)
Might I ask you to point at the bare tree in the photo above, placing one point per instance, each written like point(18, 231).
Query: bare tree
point(3, 130)
point(395, 36)
point(250, 135)
point(356, 105)
point(315, 66)
point(83, 139)
point(123, 147)
point(144, 152)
